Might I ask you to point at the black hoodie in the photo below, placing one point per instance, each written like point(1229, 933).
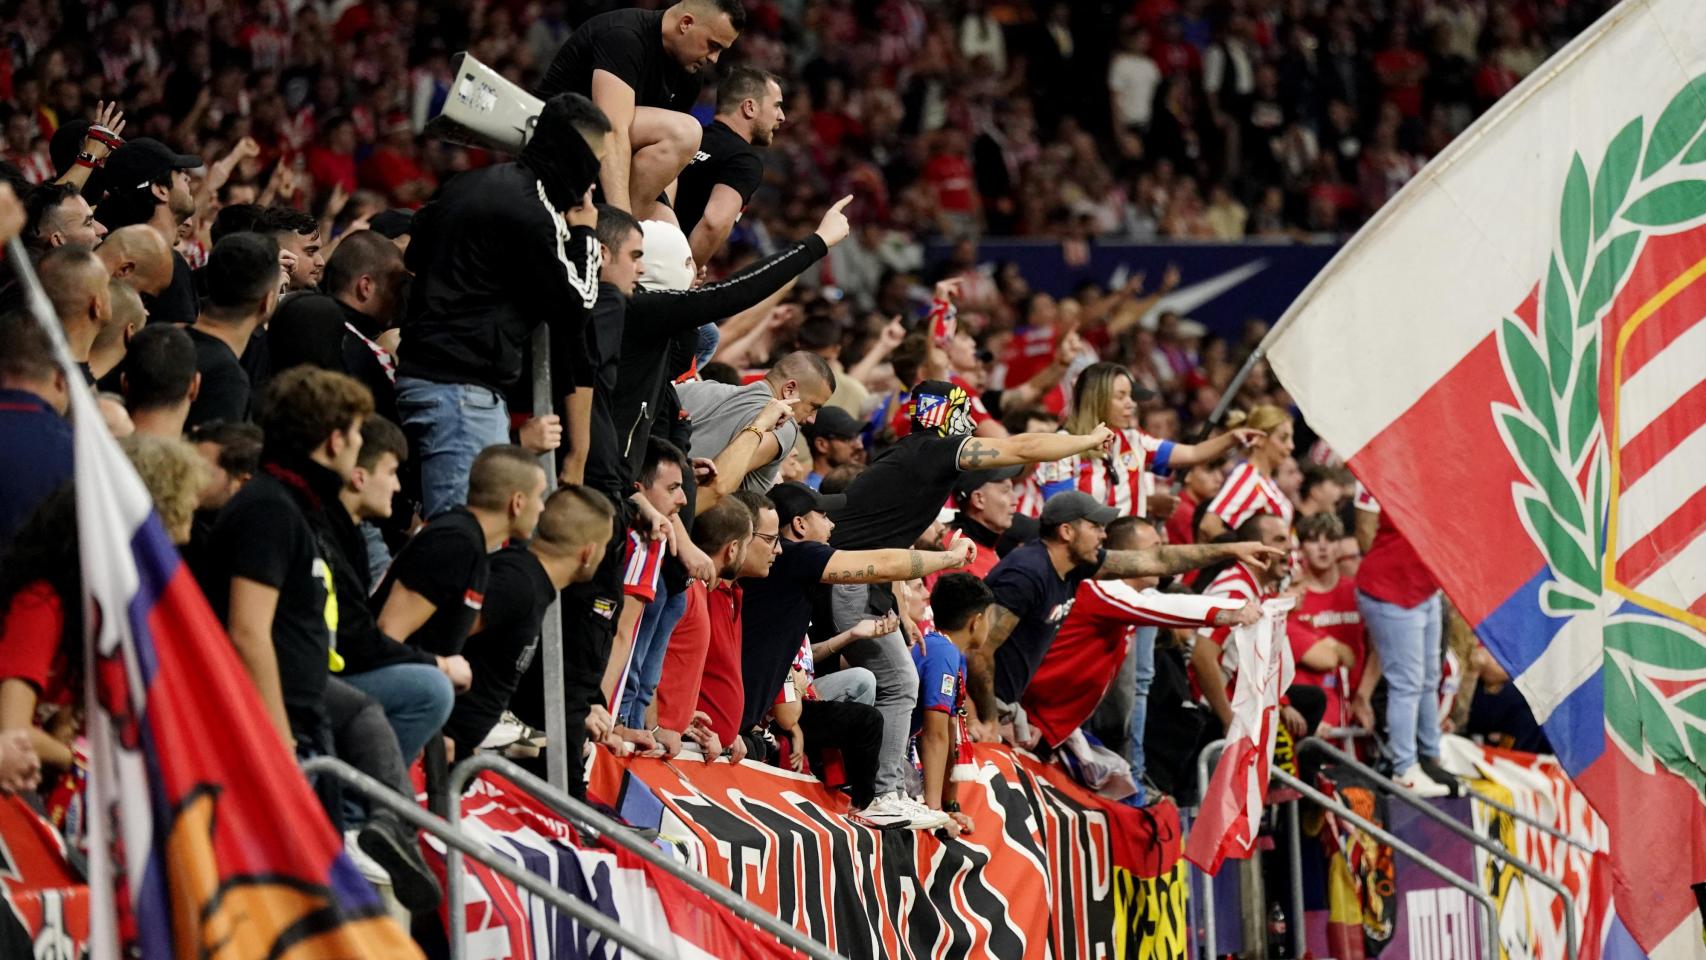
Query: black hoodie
point(492, 258)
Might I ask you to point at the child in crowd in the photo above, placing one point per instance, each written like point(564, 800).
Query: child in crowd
point(960, 605)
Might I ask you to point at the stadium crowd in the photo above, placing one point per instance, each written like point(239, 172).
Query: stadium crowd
point(831, 510)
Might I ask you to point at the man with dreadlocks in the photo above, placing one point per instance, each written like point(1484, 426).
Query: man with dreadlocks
point(889, 505)
point(501, 249)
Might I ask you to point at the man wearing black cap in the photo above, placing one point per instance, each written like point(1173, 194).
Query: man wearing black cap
point(834, 439)
point(501, 250)
point(146, 182)
point(985, 502)
point(779, 608)
point(1034, 588)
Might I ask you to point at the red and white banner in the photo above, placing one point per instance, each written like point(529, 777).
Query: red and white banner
point(1051, 872)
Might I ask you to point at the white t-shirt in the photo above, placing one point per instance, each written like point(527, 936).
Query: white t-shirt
point(1132, 79)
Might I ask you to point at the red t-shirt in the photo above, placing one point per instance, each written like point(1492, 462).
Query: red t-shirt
point(722, 690)
point(1030, 350)
point(684, 662)
point(1407, 97)
point(1179, 529)
point(330, 168)
point(1087, 651)
point(1330, 614)
point(955, 185)
point(29, 644)
point(1391, 571)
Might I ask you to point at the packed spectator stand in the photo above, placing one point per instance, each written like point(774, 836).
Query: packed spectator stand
point(815, 497)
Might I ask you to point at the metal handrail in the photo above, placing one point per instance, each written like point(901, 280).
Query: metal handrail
point(458, 842)
point(1299, 936)
point(599, 825)
point(1434, 813)
point(1423, 860)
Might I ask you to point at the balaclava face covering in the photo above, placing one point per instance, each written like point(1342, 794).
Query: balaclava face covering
point(668, 257)
point(941, 408)
point(559, 156)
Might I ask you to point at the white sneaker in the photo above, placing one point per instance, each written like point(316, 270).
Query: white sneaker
point(897, 811)
point(514, 738)
point(368, 867)
point(1419, 783)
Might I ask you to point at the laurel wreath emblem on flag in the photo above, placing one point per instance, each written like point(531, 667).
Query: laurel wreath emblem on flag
point(1655, 700)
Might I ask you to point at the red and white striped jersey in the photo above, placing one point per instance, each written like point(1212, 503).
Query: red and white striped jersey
point(1119, 479)
point(643, 560)
point(1237, 582)
point(1246, 493)
point(1028, 497)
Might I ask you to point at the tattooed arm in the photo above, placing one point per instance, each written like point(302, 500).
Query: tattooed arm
point(980, 660)
point(886, 566)
point(1164, 561)
point(985, 453)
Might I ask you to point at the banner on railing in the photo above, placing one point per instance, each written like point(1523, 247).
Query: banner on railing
point(47, 905)
point(1051, 870)
point(1531, 917)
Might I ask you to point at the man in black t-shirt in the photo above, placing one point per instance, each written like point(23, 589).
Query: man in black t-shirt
point(340, 328)
point(242, 290)
point(643, 68)
point(567, 546)
point(1034, 588)
point(719, 181)
point(434, 589)
point(270, 578)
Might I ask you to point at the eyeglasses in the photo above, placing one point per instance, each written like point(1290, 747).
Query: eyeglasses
point(770, 538)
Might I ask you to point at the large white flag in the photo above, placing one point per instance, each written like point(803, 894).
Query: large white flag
point(1511, 356)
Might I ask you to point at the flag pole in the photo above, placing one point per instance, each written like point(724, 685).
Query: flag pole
point(103, 930)
point(551, 631)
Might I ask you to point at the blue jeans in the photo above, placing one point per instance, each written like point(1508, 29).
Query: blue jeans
point(448, 425)
point(646, 666)
point(1407, 639)
point(416, 699)
point(1143, 673)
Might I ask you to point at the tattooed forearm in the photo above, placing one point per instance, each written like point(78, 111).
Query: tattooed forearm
point(1001, 624)
point(1161, 561)
point(917, 566)
point(850, 575)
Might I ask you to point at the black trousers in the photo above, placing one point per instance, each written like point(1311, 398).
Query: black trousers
point(589, 612)
point(358, 734)
point(853, 728)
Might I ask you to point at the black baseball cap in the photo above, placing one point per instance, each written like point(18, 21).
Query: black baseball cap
point(796, 500)
point(144, 161)
point(969, 482)
point(1072, 505)
point(391, 224)
point(833, 423)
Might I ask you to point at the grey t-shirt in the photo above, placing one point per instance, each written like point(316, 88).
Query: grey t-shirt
point(719, 411)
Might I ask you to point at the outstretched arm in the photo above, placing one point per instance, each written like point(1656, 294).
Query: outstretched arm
point(887, 566)
point(984, 453)
point(1165, 561)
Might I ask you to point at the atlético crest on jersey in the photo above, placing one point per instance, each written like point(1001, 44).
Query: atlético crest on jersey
point(931, 411)
point(1528, 402)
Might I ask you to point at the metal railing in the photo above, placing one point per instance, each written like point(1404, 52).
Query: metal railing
point(1299, 935)
point(1490, 930)
point(1210, 937)
point(597, 824)
point(1439, 816)
point(458, 843)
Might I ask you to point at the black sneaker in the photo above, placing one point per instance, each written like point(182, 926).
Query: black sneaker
point(392, 845)
point(1439, 775)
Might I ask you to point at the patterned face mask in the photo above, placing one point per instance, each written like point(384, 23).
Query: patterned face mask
point(946, 415)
